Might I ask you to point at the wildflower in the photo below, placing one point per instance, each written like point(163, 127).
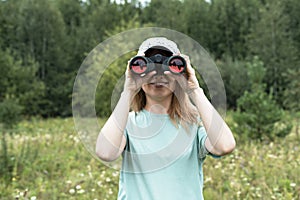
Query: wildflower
point(99, 183)
point(272, 156)
point(293, 184)
point(89, 167)
point(116, 173)
point(72, 191)
point(207, 179)
point(81, 191)
point(258, 195)
point(110, 191)
point(78, 187)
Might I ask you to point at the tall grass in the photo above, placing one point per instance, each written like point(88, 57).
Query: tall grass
point(50, 162)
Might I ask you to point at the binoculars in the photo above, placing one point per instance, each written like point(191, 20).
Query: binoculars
point(141, 65)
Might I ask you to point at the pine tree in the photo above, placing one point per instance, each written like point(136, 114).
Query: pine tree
point(258, 116)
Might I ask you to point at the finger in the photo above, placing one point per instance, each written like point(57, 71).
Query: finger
point(177, 77)
point(189, 68)
point(186, 57)
point(127, 72)
point(149, 75)
point(170, 75)
point(145, 78)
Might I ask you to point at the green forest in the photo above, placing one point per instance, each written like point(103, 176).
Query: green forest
point(254, 43)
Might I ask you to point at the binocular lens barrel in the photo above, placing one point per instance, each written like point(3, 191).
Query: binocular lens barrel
point(176, 65)
point(138, 66)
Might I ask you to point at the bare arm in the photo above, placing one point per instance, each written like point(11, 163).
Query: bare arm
point(220, 140)
point(111, 140)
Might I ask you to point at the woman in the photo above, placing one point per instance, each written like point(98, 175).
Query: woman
point(167, 135)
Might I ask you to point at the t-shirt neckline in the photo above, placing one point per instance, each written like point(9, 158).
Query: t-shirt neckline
point(154, 114)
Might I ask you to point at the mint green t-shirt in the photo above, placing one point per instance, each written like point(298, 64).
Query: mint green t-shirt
point(161, 161)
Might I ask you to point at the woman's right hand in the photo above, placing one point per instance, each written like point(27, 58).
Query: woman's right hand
point(133, 82)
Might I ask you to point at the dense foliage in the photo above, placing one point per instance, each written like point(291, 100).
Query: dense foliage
point(53, 37)
point(258, 116)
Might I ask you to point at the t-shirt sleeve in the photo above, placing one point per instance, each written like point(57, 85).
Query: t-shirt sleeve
point(131, 117)
point(202, 136)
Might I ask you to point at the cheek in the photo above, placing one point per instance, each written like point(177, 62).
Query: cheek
point(144, 87)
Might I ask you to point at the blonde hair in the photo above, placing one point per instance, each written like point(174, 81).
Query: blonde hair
point(181, 111)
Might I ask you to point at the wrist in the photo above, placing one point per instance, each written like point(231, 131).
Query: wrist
point(196, 90)
point(199, 90)
point(197, 95)
point(127, 92)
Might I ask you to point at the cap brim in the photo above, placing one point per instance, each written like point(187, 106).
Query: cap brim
point(160, 48)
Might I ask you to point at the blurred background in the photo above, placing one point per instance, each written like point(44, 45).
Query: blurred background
point(255, 45)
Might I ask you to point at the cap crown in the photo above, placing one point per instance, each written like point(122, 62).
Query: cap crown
point(159, 43)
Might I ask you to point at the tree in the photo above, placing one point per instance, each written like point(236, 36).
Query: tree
point(19, 86)
point(235, 77)
point(292, 96)
point(292, 10)
point(111, 83)
point(168, 14)
point(258, 116)
point(233, 21)
point(198, 22)
point(271, 40)
point(17, 98)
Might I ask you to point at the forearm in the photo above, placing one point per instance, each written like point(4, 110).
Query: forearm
point(220, 139)
point(111, 141)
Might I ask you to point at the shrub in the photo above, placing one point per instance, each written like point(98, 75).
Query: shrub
point(10, 112)
point(258, 116)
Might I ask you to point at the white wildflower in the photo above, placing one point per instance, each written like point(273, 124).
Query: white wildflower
point(81, 191)
point(293, 184)
point(78, 187)
point(72, 191)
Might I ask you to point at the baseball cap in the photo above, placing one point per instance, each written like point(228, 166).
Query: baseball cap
point(158, 43)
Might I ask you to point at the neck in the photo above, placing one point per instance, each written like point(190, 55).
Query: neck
point(158, 106)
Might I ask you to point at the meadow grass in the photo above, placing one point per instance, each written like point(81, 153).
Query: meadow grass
point(50, 162)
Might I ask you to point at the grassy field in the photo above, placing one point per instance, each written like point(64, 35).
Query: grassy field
point(50, 162)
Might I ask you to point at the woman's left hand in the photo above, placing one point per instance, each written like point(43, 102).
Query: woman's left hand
point(188, 84)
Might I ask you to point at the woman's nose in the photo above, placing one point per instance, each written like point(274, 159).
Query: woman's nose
point(159, 70)
point(159, 77)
